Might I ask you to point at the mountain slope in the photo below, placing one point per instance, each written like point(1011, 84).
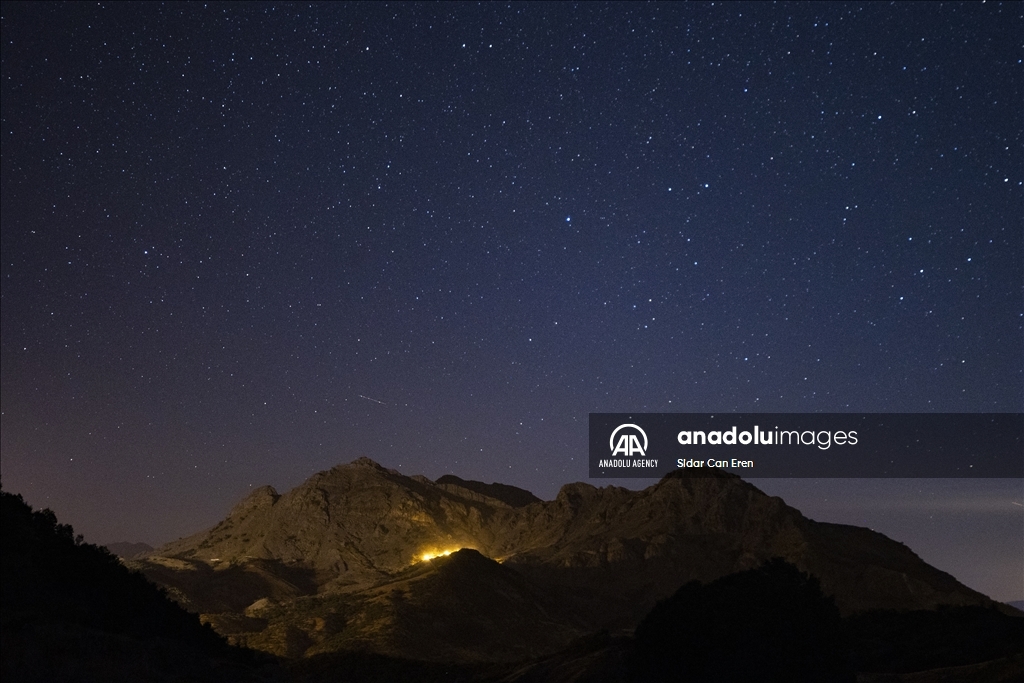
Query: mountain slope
point(338, 562)
point(70, 611)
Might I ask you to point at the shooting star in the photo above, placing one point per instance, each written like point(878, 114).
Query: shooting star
point(373, 399)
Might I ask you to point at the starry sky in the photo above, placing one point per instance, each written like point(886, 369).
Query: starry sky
point(242, 243)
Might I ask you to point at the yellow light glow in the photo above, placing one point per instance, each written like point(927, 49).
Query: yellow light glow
point(431, 554)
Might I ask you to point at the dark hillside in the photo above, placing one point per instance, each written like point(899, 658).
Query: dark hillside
point(70, 611)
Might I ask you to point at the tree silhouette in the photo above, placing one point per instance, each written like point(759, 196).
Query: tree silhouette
point(71, 611)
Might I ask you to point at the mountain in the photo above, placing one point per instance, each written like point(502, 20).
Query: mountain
point(353, 559)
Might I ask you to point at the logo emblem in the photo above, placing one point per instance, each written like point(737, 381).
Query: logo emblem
point(628, 443)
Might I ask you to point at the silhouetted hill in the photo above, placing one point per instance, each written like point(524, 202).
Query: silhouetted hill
point(770, 624)
point(904, 642)
point(71, 611)
point(463, 607)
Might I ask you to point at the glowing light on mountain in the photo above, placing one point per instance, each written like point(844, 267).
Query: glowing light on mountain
point(431, 554)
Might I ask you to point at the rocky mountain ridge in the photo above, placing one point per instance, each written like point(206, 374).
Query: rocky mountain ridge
point(343, 561)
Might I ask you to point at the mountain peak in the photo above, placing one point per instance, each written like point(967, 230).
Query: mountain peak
point(363, 461)
point(262, 497)
point(465, 559)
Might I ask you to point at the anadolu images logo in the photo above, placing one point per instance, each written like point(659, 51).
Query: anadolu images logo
point(628, 443)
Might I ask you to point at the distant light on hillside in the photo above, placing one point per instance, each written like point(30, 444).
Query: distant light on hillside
point(431, 554)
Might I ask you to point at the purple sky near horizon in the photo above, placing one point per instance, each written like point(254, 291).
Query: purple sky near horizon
point(243, 243)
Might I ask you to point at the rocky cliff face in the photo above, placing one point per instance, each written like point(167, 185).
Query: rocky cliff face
point(340, 561)
point(352, 526)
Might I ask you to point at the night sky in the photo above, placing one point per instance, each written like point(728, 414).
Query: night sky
point(242, 243)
